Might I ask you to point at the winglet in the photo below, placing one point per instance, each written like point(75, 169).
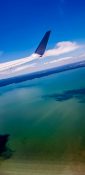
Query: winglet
point(42, 46)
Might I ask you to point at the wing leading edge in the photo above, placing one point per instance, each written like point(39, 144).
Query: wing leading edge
point(42, 46)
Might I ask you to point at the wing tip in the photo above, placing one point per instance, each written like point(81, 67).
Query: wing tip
point(42, 45)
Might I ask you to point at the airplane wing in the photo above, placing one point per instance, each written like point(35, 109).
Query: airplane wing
point(42, 46)
point(40, 51)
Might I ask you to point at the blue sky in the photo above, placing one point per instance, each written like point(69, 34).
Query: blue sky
point(23, 23)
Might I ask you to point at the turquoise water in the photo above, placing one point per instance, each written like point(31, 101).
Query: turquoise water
point(46, 121)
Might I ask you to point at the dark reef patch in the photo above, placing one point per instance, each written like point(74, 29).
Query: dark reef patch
point(5, 152)
point(79, 94)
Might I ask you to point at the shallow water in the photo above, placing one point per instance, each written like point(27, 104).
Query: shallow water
point(46, 121)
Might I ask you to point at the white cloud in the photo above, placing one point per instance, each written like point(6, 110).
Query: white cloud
point(62, 47)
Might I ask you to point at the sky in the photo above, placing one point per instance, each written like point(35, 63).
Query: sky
point(24, 22)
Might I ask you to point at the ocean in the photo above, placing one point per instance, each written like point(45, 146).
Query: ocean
point(45, 120)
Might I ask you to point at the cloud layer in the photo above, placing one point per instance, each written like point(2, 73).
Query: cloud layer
point(62, 47)
point(64, 52)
